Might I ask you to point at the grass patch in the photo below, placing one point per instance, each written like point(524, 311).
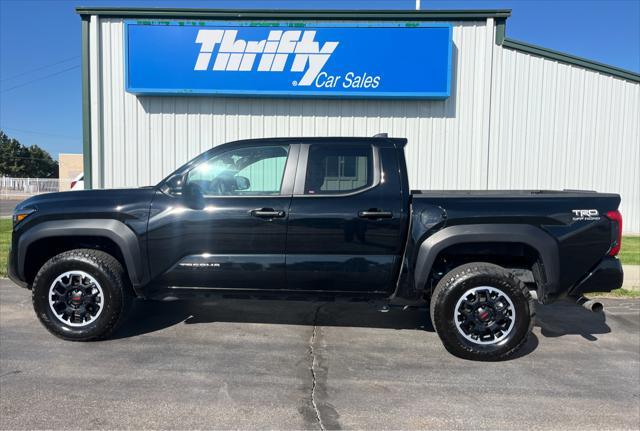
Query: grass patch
point(630, 251)
point(5, 240)
point(618, 293)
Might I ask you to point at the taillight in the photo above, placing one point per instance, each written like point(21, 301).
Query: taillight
point(616, 232)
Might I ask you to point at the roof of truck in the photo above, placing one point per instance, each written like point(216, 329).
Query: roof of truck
point(324, 140)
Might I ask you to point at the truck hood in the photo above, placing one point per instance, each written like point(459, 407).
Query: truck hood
point(126, 205)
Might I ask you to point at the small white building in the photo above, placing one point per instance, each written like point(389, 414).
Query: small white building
point(513, 115)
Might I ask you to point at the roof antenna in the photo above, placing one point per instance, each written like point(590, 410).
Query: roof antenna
point(381, 135)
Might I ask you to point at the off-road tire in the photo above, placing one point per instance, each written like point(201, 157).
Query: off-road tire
point(453, 286)
point(105, 269)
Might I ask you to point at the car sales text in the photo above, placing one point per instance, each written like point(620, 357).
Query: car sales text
point(350, 80)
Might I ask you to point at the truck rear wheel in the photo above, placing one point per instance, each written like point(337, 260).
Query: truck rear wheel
point(81, 295)
point(482, 312)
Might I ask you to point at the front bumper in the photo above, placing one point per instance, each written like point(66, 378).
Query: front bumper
point(605, 277)
point(11, 270)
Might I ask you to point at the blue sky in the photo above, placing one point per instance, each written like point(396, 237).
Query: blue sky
point(40, 86)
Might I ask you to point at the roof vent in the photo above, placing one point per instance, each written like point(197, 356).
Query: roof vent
point(381, 135)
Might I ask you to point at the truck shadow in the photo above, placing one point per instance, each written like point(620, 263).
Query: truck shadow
point(567, 318)
point(151, 316)
point(555, 320)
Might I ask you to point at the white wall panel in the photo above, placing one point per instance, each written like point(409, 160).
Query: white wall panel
point(556, 126)
point(446, 150)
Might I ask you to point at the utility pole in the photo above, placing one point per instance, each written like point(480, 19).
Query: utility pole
point(417, 4)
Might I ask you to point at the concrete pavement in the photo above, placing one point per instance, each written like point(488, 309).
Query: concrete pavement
point(631, 277)
point(7, 206)
point(264, 364)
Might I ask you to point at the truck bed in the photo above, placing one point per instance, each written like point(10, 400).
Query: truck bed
point(509, 194)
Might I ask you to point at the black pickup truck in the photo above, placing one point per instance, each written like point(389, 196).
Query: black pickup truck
point(316, 218)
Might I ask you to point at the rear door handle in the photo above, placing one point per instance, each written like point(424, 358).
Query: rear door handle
point(373, 214)
point(267, 213)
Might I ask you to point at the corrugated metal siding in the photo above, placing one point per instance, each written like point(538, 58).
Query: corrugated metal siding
point(145, 138)
point(556, 126)
point(513, 121)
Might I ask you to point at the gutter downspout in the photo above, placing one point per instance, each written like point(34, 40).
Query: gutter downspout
point(86, 105)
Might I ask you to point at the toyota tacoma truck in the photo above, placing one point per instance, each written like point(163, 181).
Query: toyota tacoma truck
point(316, 218)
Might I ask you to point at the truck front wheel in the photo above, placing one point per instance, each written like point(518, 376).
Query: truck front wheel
point(482, 312)
point(81, 295)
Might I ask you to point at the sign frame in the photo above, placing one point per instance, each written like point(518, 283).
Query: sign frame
point(294, 25)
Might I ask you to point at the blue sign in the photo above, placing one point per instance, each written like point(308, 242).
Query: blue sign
point(318, 59)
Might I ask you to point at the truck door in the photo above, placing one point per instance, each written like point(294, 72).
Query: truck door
point(226, 228)
point(346, 220)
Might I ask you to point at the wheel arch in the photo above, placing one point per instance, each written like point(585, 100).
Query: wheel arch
point(110, 231)
point(529, 236)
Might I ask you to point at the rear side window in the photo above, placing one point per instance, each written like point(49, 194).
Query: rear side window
point(336, 169)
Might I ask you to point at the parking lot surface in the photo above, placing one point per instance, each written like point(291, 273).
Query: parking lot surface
point(7, 207)
point(310, 365)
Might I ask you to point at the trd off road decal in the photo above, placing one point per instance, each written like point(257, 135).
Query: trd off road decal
point(579, 215)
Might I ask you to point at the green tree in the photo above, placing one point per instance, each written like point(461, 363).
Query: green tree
point(16, 160)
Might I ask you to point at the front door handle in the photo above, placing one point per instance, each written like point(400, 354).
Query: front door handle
point(267, 213)
point(374, 214)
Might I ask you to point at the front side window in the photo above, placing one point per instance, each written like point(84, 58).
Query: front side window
point(336, 169)
point(250, 171)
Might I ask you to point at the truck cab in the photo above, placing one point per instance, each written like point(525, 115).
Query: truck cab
point(313, 216)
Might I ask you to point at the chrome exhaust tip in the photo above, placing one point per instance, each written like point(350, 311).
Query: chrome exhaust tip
point(590, 304)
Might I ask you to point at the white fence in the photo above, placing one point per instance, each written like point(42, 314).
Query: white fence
point(25, 187)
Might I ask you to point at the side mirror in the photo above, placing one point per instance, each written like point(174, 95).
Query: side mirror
point(242, 183)
point(192, 191)
point(193, 196)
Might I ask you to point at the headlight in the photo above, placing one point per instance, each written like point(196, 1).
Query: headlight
point(20, 215)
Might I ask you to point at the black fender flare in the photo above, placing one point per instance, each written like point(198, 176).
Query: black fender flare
point(114, 230)
point(538, 239)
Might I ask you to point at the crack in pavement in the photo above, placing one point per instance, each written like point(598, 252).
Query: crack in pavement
point(313, 369)
point(8, 373)
point(324, 414)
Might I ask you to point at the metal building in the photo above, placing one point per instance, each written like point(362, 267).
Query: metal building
point(517, 115)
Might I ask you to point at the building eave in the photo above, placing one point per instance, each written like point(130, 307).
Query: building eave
point(288, 14)
point(570, 59)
